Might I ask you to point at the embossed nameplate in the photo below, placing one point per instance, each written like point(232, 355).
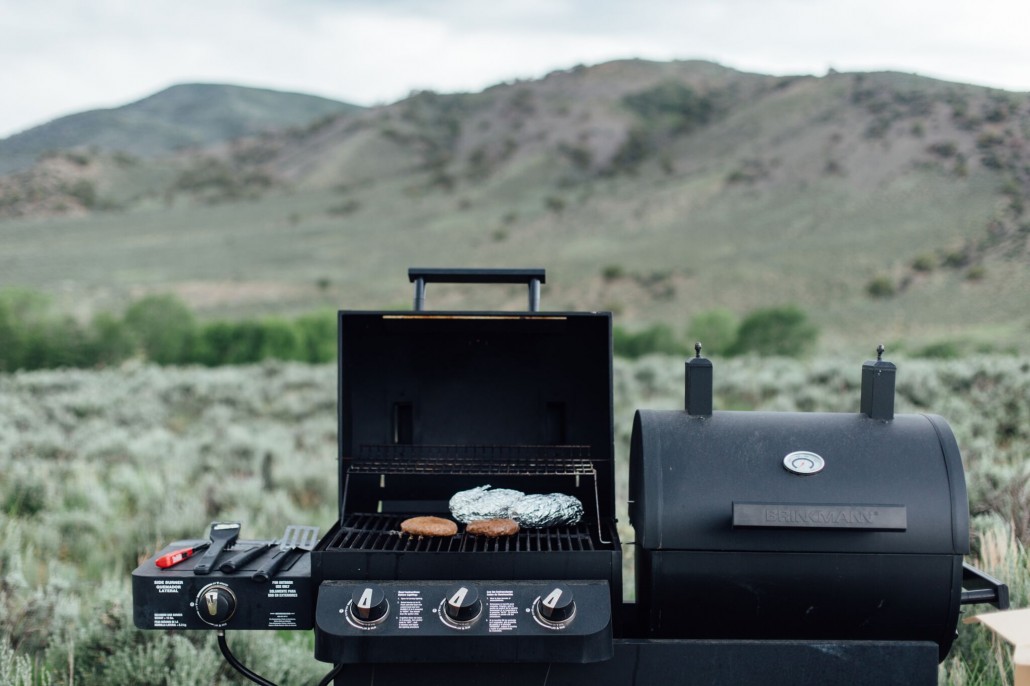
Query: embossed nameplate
point(822, 516)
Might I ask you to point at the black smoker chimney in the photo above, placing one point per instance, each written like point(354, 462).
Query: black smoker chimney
point(878, 387)
point(698, 392)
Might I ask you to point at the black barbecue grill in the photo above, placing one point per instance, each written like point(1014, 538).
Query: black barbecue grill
point(796, 548)
point(432, 403)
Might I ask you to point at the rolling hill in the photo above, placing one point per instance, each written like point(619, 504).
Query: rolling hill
point(182, 116)
point(889, 206)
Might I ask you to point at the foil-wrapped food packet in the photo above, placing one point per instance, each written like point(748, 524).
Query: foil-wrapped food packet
point(483, 502)
point(553, 509)
point(535, 511)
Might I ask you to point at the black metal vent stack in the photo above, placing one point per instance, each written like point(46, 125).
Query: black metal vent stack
point(878, 387)
point(698, 386)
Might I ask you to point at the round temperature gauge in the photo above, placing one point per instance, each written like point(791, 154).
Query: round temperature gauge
point(804, 462)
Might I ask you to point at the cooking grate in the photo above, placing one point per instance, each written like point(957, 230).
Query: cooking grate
point(380, 532)
point(473, 459)
point(480, 460)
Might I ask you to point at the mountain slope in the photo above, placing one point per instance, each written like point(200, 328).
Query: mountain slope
point(890, 207)
point(723, 140)
point(178, 117)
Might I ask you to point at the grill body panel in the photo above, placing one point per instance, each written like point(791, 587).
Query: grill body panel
point(839, 596)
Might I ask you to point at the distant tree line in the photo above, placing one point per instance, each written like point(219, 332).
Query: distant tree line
point(163, 330)
point(158, 328)
point(783, 331)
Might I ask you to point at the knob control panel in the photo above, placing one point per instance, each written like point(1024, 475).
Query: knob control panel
point(485, 620)
point(216, 604)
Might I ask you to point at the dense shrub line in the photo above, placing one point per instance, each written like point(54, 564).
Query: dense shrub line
point(782, 331)
point(159, 328)
point(163, 330)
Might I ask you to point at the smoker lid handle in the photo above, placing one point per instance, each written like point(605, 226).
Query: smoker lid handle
point(980, 587)
point(532, 277)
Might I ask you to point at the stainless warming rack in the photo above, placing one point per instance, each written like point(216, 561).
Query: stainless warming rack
point(522, 460)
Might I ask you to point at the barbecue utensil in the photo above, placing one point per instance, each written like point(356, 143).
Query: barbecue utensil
point(223, 534)
point(177, 556)
point(235, 562)
point(294, 538)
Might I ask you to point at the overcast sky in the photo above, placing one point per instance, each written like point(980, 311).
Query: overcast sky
point(63, 56)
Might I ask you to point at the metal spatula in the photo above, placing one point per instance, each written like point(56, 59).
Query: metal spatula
point(294, 538)
point(223, 534)
point(236, 562)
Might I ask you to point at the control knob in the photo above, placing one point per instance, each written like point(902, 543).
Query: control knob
point(368, 605)
point(461, 605)
point(555, 608)
point(216, 604)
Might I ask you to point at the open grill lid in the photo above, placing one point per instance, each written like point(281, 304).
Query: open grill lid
point(434, 402)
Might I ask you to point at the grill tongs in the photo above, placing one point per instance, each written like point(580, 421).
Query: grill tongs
point(223, 535)
point(294, 538)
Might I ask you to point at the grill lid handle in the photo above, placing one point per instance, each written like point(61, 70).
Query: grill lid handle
point(420, 276)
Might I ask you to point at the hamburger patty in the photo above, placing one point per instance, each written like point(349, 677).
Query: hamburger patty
point(429, 526)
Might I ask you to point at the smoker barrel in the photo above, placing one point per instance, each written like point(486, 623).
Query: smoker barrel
point(760, 525)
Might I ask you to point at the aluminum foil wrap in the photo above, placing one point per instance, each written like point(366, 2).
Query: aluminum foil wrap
point(553, 509)
point(483, 502)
